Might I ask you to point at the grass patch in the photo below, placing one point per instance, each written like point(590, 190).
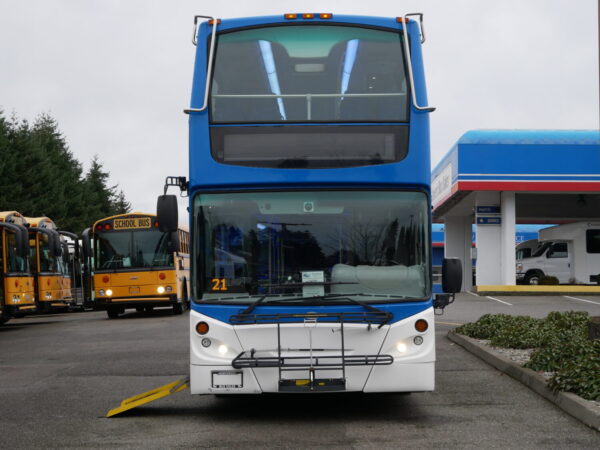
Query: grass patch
point(560, 342)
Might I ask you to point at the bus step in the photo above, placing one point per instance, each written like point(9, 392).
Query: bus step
point(317, 385)
point(150, 396)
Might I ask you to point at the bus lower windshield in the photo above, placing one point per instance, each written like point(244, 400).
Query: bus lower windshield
point(312, 243)
point(132, 250)
point(14, 262)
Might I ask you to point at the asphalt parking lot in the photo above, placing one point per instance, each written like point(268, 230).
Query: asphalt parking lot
point(60, 374)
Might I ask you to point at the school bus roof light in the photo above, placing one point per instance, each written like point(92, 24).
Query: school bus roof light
point(107, 226)
point(290, 16)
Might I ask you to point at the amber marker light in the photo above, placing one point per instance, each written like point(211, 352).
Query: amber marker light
point(325, 16)
point(308, 16)
point(290, 16)
point(401, 20)
point(212, 22)
point(201, 328)
point(421, 325)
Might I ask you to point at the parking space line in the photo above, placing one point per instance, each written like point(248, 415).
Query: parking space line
point(498, 300)
point(472, 293)
point(581, 300)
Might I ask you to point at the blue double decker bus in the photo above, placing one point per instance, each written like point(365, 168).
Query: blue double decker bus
point(309, 190)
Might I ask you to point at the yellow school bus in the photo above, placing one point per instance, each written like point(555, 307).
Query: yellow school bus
point(137, 266)
point(16, 281)
point(45, 260)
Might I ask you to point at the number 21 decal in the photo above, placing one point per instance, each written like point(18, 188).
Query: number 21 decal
point(218, 284)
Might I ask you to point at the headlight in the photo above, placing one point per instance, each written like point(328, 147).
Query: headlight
point(160, 289)
point(16, 298)
point(109, 292)
point(519, 267)
point(101, 293)
point(401, 347)
point(223, 349)
point(168, 289)
point(48, 295)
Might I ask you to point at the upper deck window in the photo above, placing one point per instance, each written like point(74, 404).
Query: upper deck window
point(309, 73)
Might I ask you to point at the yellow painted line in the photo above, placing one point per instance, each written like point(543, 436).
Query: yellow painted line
point(448, 323)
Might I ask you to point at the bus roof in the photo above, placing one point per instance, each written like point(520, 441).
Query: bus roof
point(387, 22)
point(41, 222)
point(12, 217)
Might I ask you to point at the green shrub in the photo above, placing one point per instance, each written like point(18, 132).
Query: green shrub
point(561, 345)
point(580, 375)
point(548, 281)
point(504, 330)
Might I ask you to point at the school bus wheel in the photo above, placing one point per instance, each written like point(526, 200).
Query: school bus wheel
point(112, 312)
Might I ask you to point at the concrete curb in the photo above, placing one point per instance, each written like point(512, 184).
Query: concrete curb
point(537, 290)
point(568, 402)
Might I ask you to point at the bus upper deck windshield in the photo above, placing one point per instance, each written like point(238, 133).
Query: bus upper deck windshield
point(309, 73)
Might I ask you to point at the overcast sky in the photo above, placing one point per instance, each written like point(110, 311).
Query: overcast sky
point(116, 75)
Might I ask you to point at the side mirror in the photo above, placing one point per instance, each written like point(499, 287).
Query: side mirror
point(451, 275)
point(55, 244)
point(23, 242)
point(174, 243)
point(86, 243)
point(166, 213)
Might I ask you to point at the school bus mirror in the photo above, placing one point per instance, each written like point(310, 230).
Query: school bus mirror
point(166, 213)
point(23, 243)
point(174, 243)
point(451, 275)
point(86, 243)
point(55, 244)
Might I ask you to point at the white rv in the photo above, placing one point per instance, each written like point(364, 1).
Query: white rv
point(569, 252)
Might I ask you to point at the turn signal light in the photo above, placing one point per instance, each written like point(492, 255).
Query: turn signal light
point(201, 328)
point(105, 279)
point(421, 325)
point(162, 276)
point(290, 16)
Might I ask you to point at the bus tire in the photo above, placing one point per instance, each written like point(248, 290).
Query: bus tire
point(139, 309)
point(177, 308)
point(112, 312)
point(3, 319)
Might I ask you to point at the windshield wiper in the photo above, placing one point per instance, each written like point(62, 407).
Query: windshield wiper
point(309, 283)
point(253, 305)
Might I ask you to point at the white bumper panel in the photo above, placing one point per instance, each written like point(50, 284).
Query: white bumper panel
point(205, 380)
point(402, 378)
point(412, 370)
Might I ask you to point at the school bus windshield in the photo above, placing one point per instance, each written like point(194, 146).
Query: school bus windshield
point(132, 249)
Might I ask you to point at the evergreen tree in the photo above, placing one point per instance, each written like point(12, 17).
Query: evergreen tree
point(39, 176)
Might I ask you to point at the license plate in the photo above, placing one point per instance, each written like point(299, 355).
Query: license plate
point(227, 379)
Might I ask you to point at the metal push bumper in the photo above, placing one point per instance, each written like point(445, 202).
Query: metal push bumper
point(309, 360)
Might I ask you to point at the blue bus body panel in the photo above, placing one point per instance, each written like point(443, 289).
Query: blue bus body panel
point(208, 174)
point(222, 312)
